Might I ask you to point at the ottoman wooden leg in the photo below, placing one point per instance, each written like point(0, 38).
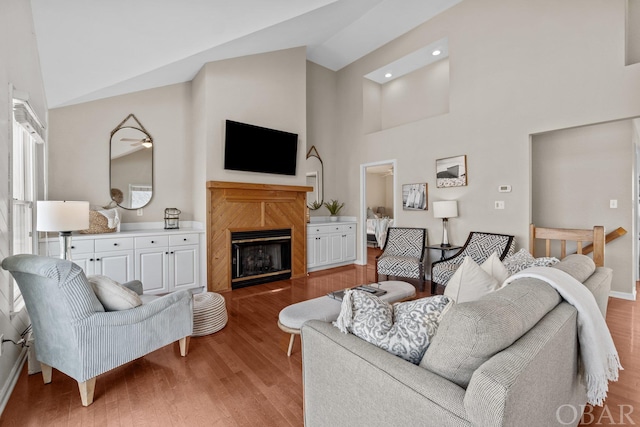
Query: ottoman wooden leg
point(291, 340)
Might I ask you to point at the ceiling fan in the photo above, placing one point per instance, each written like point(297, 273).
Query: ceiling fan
point(145, 142)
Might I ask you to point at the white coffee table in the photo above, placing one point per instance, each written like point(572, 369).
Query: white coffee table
point(327, 309)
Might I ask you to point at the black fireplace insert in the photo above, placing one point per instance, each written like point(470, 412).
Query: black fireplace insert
point(260, 256)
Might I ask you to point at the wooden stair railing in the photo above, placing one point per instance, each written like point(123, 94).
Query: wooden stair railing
point(618, 232)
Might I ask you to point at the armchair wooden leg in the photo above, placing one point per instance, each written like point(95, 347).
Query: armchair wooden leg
point(184, 346)
point(86, 391)
point(46, 373)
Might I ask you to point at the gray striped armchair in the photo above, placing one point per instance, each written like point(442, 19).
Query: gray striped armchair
point(479, 246)
point(73, 332)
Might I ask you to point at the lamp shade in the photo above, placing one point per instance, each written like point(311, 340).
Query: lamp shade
point(62, 215)
point(445, 209)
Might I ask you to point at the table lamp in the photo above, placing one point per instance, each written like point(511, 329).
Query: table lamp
point(445, 209)
point(64, 217)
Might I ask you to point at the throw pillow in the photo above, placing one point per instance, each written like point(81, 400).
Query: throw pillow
point(470, 282)
point(404, 329)
point(518, 261)
point(112, 295)
point(523, 259)
point(495, 268)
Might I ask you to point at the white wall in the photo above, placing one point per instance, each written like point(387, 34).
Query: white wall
point(266, 90)
point(322, 123)
point(20, 67)
point(79, 149)
point(516, 68)
point(575, 173)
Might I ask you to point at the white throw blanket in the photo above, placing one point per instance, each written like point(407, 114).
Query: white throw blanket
point(597, 351)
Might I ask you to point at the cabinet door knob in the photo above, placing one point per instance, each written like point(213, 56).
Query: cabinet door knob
point(153, 241)
point(115, 244)
point(73, 247)
point(171, 252)
point(166, 253)
point(90, 259)
point(97, 259)
point(184, 239)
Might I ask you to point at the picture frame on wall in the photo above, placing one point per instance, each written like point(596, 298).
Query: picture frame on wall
point(415, 197)
point(451, 172)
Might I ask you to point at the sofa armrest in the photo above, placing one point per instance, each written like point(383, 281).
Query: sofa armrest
point(348, 381)
point(135, 286)
point(540, 367)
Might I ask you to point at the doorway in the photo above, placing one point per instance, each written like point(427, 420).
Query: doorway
point(586, 176)
point(377, 203)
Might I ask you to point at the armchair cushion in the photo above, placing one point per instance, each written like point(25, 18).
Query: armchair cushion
point(112, 295)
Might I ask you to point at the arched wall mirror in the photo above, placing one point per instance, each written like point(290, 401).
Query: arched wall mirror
point(315, 179)
point(131, 164)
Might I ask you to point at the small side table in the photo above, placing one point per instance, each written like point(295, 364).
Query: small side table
point(444, 249)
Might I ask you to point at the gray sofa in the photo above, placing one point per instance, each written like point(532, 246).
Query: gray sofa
point(508, 359)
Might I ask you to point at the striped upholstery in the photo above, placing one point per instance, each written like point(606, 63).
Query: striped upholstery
point(479, 247)
point(403, 253)
point(73, 332)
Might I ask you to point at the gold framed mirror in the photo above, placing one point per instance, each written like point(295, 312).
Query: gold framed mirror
point(131, 164)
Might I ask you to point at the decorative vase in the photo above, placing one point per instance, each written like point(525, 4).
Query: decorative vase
point(333, 218)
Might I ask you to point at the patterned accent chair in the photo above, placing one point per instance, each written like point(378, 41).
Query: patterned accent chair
point(479, 246)
point(403, 254)
point(73, 332)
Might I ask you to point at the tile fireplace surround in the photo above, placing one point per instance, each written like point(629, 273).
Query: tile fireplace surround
point(236, 206)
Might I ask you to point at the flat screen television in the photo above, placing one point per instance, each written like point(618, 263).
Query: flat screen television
point(256, 149)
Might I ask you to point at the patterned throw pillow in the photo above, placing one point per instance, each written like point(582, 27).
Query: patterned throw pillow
point(523, 259)
point(404, 329)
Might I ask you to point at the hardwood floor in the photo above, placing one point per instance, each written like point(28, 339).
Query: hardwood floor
point(241, 376)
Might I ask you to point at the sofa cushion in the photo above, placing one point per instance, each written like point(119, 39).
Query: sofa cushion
point(404, 329)
point(471, 333)
point(113, 295)
point(470, 282)
point(581, 267)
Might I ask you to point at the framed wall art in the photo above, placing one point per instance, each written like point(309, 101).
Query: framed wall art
point(451, 172)
point(414, 197)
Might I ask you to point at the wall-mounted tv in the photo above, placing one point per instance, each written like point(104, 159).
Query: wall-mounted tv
point(256, 149)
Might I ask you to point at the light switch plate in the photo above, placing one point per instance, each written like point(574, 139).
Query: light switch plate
point(504, 189)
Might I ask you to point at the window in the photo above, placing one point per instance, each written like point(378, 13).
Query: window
point(24, 176)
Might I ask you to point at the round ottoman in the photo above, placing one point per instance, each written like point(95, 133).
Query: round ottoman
point(209, 313)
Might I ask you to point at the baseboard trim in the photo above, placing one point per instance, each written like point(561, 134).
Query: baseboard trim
point(12, 379)
point(623, 295)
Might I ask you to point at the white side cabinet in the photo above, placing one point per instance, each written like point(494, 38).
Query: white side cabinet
point(164, 261)
point(111, 257)
point(330, 245)
point(167, 263)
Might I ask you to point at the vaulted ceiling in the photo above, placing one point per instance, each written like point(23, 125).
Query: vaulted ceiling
point(92, 49)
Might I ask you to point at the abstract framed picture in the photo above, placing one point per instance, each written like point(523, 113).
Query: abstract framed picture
point(451, 172)
point(414, 197)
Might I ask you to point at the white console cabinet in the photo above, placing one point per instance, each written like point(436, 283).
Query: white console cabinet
point(330, 245)
point(167, 263)
point(163, 260)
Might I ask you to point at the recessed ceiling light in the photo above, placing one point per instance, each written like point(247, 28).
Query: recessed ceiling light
point(388, 75)
point(436, 52)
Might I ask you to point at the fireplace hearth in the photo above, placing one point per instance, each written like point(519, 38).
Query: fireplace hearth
point(260, 256)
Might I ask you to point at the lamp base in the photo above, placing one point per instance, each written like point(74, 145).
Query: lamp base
point(445, 237)
point(65, 245)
